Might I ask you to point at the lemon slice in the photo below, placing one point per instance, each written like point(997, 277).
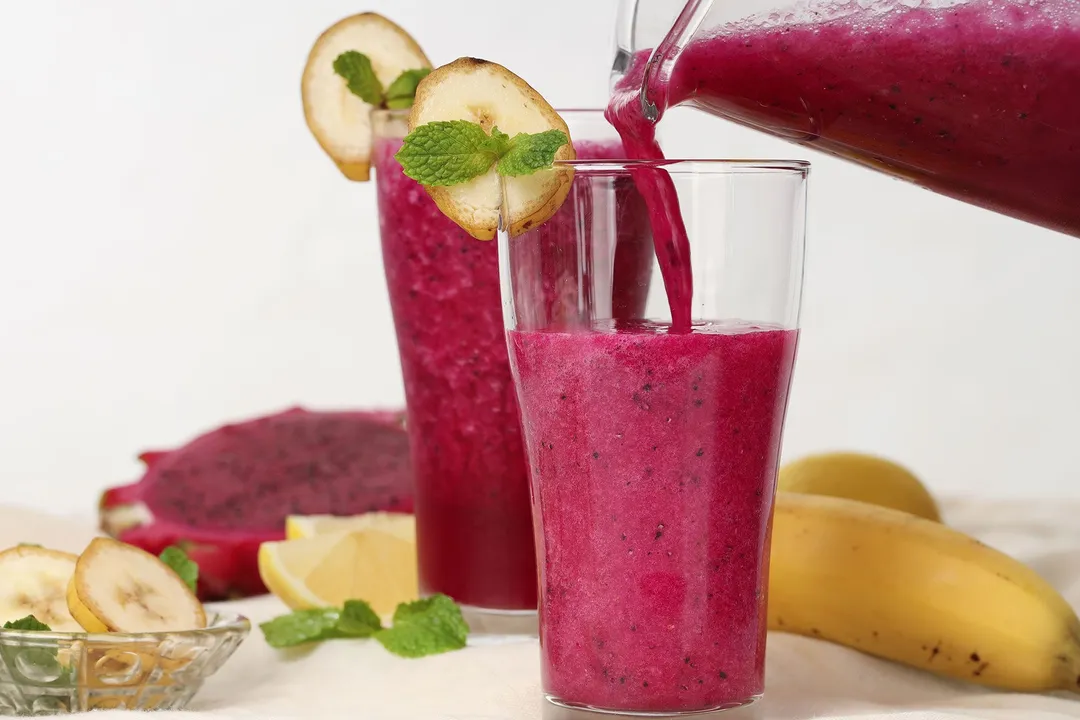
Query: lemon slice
point(328, 569)
point(299, 527)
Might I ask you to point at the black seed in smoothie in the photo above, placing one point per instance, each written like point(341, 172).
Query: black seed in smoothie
point(647, 387)
point(700, 452)
point(623, 536)
point(596, 455)
point(699, 402)
point(723, 675)
point(659, 532)
point(562, 397)
point(633, 628)
point(645, 683)
point(622, 680)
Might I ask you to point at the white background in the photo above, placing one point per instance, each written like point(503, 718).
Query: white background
point(177, 251)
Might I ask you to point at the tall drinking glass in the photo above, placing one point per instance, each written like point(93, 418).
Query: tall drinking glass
point(654, 453)
point(473, 518)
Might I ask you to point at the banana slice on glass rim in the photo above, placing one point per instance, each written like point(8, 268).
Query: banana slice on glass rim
point(483, 142)
point(359, 63)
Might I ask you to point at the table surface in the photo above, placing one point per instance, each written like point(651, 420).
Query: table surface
point(805, 678)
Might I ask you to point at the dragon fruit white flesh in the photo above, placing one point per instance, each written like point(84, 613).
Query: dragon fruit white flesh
point(227, 491)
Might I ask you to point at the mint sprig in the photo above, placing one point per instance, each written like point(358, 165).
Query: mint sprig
point(45, 659)
point(450, 152)
point(355, 620)
point(401, 92)
point(181, 564)
point(425, 627)
point(27, 623)
point(362, 81)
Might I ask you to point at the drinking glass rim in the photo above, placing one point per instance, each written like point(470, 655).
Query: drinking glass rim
point(689, 166)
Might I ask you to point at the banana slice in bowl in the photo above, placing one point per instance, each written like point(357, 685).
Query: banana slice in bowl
point(33, 581)
point(118, 587)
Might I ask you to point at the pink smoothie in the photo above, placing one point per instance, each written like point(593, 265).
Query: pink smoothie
point(654, 457)
point(977, 101)
point(474, 531)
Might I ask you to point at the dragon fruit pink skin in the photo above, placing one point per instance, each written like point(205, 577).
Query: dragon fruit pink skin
point(227, 491)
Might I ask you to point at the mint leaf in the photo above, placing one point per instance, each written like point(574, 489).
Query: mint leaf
point(401, 92)
point(27, 623)
point(425, 627)
point(356, 68)
point(302, 626)
point(358, 619)
point(355, 620)
point(447, 152)
point(44, 659)
point(182, 565)
point(498, 143)
point(529, 153)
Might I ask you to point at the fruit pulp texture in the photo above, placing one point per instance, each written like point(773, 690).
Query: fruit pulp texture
point(975, 100)
point(473, 515)
point(654, 459)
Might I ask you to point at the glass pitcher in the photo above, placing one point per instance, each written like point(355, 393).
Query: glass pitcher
point(978, 100)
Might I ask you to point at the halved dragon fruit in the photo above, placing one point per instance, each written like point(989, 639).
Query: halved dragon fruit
point(227, 491)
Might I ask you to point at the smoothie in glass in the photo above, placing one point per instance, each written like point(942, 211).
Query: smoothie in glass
point(656, 458)
point(653, 446)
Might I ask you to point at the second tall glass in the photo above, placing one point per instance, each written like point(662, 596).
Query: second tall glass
point(473, 519)
point(654, 450)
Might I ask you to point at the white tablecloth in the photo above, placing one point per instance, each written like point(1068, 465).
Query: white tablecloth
point(806, 678)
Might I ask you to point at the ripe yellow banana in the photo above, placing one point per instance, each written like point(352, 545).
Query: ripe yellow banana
point(858, 476)
point(918, 592)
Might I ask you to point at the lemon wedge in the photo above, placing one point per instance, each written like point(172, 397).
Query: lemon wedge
point(327, 569)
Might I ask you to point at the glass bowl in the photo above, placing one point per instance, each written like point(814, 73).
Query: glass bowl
point(54, 673)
